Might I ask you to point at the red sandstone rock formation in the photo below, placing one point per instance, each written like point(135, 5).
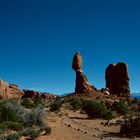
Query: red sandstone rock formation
point(4, 88)
point(77, 62)
point(117, 79)
point(9, 91)
point(82, 84)
point(34, 94)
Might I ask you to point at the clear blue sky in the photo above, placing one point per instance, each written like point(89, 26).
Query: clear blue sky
point(38, 39)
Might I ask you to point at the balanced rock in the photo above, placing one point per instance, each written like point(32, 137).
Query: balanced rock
point(77, 62)
point(82, 84)
point(117, 79)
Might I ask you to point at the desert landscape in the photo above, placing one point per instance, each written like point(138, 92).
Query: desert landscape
point(69, 69)
point(88, 113)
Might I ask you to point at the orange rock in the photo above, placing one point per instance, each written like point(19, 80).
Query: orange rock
point(9, 91)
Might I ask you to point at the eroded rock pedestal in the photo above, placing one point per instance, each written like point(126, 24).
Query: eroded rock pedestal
point(82, 84)
point(117, 79)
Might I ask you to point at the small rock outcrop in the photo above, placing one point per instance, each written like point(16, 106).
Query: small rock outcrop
point(9, 91)
point(117, 79)
point(82, 84)
point(4, 87)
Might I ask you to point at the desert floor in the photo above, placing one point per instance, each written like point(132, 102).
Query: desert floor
point(71, 125)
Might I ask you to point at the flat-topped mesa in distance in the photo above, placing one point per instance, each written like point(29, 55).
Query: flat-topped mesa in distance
point(82, 84)
point(117, 79)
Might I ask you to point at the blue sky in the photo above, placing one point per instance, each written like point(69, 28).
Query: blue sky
point(39, 38)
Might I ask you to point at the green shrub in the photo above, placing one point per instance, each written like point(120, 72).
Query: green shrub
point(11, 126)
point(27, 103)
point(108, 115)
point(95, 109)
point(7, 113)
point(13, 116)
point(77, 104)
point(120, 107)
point(56, 105)
point(131, 127)
point(38, 101)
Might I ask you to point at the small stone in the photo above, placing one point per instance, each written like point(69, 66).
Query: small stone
point(69, 125)
point(95, 135)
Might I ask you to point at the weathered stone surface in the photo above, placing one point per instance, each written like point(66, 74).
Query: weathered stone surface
point(105, 91)
point(14, 91)
point(117, 79)
point(9, 91)
point(4, 88)
point(82, 84)
point(77, 62)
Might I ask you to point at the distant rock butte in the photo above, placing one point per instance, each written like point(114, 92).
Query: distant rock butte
point(117, 79)
point(9, 91)
point(82, 84)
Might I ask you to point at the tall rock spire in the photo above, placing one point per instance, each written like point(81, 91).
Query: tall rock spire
point(82, 84)
point(117, 79)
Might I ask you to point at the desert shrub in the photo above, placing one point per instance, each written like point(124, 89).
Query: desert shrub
point(34, 117)
point(56, 105)
point(77, 104)
point(38, 101)
point(95, 109)
point(108, 115)
point(7, 113)
point(11, 126)
point(13, 116)
point(120, 107)
point(131, 127)
point(15, 106)
point(27, 103)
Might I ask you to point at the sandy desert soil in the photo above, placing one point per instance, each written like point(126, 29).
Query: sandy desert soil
point(70, 125)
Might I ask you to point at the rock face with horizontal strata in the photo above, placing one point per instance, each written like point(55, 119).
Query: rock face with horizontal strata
point(82, 84)
point(117, 79)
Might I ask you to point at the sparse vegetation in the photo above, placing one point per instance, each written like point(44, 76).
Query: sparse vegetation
point(56, 105)
point(11, 126)
point(27, 103)
point(95, 109)
point(7, 113)
point(13, 116)
point(131, 127)
point(120, 107)
point(77, 104)
point(92, 108)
